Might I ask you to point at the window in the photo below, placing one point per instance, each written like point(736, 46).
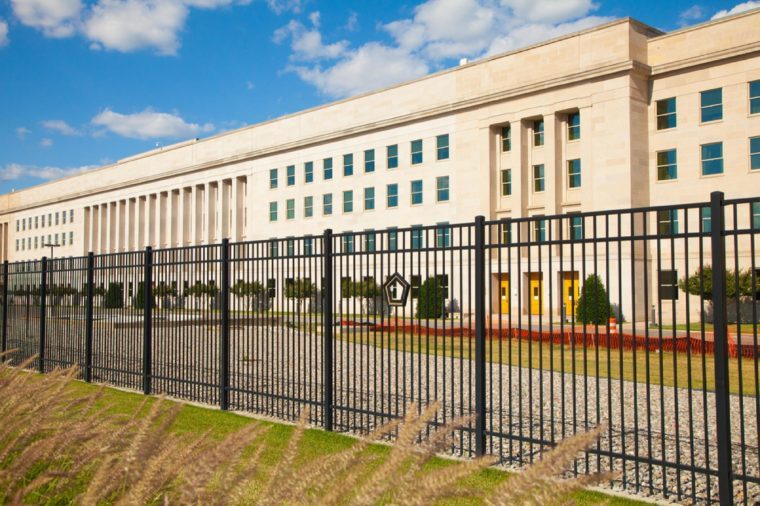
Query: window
point(63, 239)
point(538, 132)
point(442, 188)
point(506, 182)
point(327, 204)
point(666, 113)
point(417, 152)
point(290, 246)
point(392, 152)
point(308, 246)
point(506, 232)
point(574, 126)
point(443, 235)
point(668, 285)
point(56, 219)
point(574, 173)
point(348, 165)
point(308, 207)
point(706, 219)
point(16, 244)
point(36, 222)
point(273, 248)
point(442, 147)
point(308, 172)
point(348, 243)
point(667, 222)
point(290, 209)
point(667, 165)
point(273, 211)
point(711, 105)
point(348, 201)
point(18, 225)
point(392, 239)
point(291, 171)
point(576, 227)
point(539, 230)
point(506, 138)
point(36, 243)
point(538, 178)
point(712, 158)
point(64, 217)
point(71, 237)
point(754, 97)
point(271, 282)
point(756, 215)
point(369, 160)
point(392, 195)
point(272, 178)
point(415, 282)
point(327, 168)
point(369, 198)
point(71, 216)
point(369, 240)
point(416, 192)
point(754, 153)
point(416, 236)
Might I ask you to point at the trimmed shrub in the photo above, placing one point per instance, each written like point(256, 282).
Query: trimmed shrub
point(593, 304)
point(114, 297)
point(431, 300)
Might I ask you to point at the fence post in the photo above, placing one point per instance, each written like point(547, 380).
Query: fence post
point(480, 338)
point(224, 352)
point(327, 329)
point(147, 320)
point(88, 317)
point(720, 323)
point(5, 307)
point(43, 310)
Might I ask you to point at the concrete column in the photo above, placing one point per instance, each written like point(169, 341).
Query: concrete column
point(174, 218)
point(183, 214)
point(209, 215)
point(552, 163)
point(196, 205)
point(151, 220)
point(227, 210)
point(140, 222)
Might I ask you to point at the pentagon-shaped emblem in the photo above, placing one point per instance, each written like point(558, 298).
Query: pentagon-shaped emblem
point(396, 290)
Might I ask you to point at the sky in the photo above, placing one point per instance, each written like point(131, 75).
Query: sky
point(86, 83)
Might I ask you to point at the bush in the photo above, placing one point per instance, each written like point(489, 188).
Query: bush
point(431, 300)
point(138, 301)
point(700, 283)
point(114, 298)
point(593, 304)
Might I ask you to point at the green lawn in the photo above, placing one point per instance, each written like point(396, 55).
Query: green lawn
point(315, 444)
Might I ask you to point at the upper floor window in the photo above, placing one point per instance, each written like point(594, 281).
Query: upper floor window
point(706, 219)
point(712, 158)
point(416, 152)
point(348, 243)
point(416, 238)
point(442, 188)
point(539, 230)
point(63, 217)
point(71, 216)
point(574, 126)
point(506, 182)
point(370, 238)
point(392, 195)
point(327, 167)
point(506, 138)
point(756, 215)
point(667, 222)
point(576, 227)
point(369, 198)
point(442, 147)
point(348, 201)
point(291, 175)
point(538, 132)
point(273, 211)
point(754, 97)
point(574, 173)
point(392, 238)
point(754, 153)
point(369, 160)
point(290, 209)
point(57, 218)
point(308, 207)
point(443, 235)
point(327, 204)
point(273, 178)
point(667, 165)
point(348, 165)
point(538, 178)
point(711, 105)
point(417, 192)
point(392, 155)
point(666, 113)
point(308, 172)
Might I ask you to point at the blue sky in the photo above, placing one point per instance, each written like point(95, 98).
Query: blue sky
point(85, 83)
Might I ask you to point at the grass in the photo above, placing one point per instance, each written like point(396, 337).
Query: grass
point(315, 444)
point(540, 355)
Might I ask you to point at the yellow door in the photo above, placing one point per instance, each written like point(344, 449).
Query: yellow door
point(504, 294)
point(536, 287)
point(570, 292)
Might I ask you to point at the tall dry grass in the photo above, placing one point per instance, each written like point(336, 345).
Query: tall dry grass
point(58, 446)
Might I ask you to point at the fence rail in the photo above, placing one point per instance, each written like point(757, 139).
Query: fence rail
point(642, 319)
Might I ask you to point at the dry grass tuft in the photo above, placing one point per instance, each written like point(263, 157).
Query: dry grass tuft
point(58, 446)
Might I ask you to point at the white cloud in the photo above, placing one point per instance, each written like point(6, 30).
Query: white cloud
point(46, 143)
point(22, 132)
point(55, 18)
point(3, 33)
point(14, 171)
point(149, 124)
point(61, 127)
point(742, 7)
point(280, 6)
point(352, 24)
point(438, 33)
point(690, 15)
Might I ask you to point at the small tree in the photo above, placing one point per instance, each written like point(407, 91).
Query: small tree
point(114, 298)
point(593, 304)
point(300, 289)
point(700, 283)
point(247, 291)
point(432, 297)
point(138, 301)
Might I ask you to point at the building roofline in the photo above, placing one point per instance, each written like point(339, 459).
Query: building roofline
point(704, 24)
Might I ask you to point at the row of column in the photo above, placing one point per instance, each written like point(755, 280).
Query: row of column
point(193, 215)
point(4, 241)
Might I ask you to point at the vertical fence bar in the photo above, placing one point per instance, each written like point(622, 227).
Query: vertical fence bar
point(327, 330)
point(147, 319)
point(480, 338)
point(43, 310)
point(224, 352)
point(5, 307)
point(88, 318)
point(720, 323)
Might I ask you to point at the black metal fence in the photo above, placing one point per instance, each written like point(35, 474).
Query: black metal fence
point(507, 320)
